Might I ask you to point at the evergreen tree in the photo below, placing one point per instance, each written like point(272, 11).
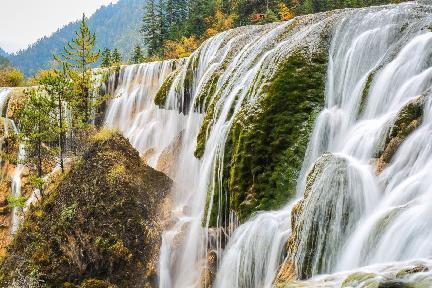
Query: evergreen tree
point(151, 27)
point(116, 57)
point(37, 130)
point(79, 55)
point(58, 87)
point(199, 11)
point(106, 58)
point(137, 55)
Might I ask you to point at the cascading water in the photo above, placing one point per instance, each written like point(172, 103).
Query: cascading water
point(246, 58)
point(397, 66)
point(16, 184)
point(379, 60)
point(4, 96)
point(16, 177)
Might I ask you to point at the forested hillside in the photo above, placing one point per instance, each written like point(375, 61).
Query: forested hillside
point(2, 52)
point(173, 29)
point(116, 26)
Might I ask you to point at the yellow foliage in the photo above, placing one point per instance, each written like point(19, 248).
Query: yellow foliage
point(34, 81)
point(10, 77)
point(284, 12)
point(117, 171)
point(219, 22)
point(182, 48)
point(211, 32)
point(103, 135)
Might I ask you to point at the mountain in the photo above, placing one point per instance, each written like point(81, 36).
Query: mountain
point(3, 53)
point(115, 25)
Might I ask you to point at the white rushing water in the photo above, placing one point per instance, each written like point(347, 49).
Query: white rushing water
point(391, 47)
point(16, 177)
point(247, 54)
point(394, 48)
point(4, 97)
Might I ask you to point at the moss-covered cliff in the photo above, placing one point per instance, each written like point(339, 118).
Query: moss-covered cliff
point(265, 149)
point(98, 226)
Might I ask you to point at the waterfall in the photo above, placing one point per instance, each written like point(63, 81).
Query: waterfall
point(253, 254)
point(4, 96)
point(16, 185)
point(16, 177)
point(245, 58)
point(397, 64)
point(379, 63)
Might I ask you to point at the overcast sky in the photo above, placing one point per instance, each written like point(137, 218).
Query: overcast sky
point(22, 22)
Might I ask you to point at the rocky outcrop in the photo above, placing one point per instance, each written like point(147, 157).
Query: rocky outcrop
point(98, 226)
point(409, 118)
point(17, 98)
point(397, 275)
point(168, 160)
point(333, 202)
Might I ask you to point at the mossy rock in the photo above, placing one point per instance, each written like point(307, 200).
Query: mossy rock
point(409, 118)
point(162, 94)
point(265, 149)
point(100, 221)
point(394, 284)
point(412, 270)
point(17, 98)
point(361, 279)
point(95, 283)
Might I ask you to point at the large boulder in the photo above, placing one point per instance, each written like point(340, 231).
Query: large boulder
point(409, 118)
point(98, 225)
point(334, 200)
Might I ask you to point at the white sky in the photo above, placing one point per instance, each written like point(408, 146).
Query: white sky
point(22, 22)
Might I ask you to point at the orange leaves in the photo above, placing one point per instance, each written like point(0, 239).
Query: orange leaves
point(219, 22)
point(285, 13)
point(182, 48)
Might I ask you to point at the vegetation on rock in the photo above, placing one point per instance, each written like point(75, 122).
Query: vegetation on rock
point(10, 77)
point(408, 119)
point(98, 225)
point(265, 150)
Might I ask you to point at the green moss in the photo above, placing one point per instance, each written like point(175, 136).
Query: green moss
point(90, 227)
point(411, 112)
point(102, 135)
point(188, 84)
point(360, 277)
point(411, 270)
point(407, 120)
point(265, 150)
point(206, 125)
point(269, 154)
point(365, 93)
point(117, 171)
point(95, 283)
point(206, 93)
point(162, 94)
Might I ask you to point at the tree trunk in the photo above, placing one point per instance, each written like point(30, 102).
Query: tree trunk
point(61, 133)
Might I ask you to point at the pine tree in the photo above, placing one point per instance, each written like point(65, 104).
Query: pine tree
point(106, 58)
point(199, 11)
point(137, 55)
point(37, 130)
point(116, 57)
point(79, 55)
point(151, 28)
point(57, 86)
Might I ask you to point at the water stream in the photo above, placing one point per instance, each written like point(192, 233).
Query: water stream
point(379, 60)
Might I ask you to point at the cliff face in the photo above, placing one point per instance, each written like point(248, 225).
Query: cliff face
point(98, 226)
point(11, 100)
